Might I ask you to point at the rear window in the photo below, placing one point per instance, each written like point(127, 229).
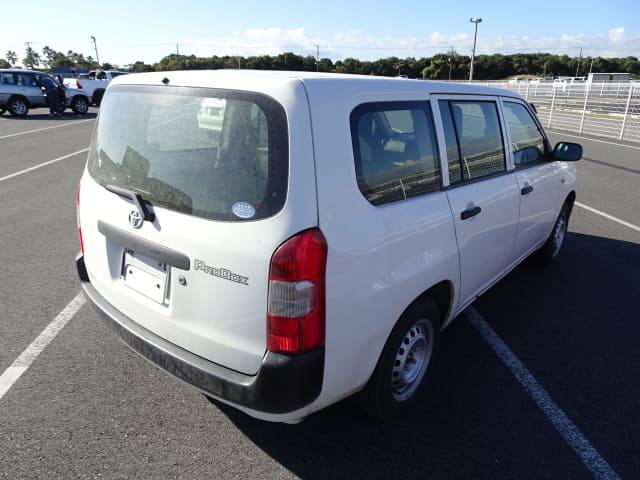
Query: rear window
point(215, 154)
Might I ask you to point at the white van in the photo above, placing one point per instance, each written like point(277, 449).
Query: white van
point(311, 242)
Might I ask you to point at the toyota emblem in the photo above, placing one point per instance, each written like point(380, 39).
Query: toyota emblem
point(135, 219)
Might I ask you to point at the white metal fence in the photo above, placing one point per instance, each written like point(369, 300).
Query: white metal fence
point(603, 109)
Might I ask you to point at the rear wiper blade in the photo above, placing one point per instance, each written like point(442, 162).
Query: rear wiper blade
point(136, 198)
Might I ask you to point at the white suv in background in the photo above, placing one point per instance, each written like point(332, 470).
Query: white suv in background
point(281, 240)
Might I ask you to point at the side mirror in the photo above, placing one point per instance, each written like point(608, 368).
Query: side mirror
point(567, 152)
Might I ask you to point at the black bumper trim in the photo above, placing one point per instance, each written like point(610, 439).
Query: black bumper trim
point(144, 246)
point(283, 384)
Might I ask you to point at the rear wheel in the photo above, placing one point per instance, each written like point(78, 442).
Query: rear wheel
point(18, 107)
point(80, 104)
point(406, 359)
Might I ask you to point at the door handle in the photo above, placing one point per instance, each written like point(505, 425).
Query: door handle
point(472, 212)
point(526, 190)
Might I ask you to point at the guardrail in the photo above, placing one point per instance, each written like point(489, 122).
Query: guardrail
point(603, 109)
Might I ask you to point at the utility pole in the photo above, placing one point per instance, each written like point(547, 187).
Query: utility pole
point(317, 58)
point(95, 45)
point(450, 63)
point(579, 60)
point(473, 52)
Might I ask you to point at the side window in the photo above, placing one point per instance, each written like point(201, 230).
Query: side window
point(395, 151)
point(27, 80)
point(474, 139)
point(527, 142)
point(7, 78)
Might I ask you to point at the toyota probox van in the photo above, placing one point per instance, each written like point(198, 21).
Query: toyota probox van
point(281, 241)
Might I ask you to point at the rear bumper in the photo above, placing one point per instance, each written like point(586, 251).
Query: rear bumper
point(283, 383)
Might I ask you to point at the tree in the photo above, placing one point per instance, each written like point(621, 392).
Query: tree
point(31, 59)
point(12, 58)
point(4, 63)
point(438, 68)
point(139, 66)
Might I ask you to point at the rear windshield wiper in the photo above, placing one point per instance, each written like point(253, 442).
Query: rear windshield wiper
point(136, 198)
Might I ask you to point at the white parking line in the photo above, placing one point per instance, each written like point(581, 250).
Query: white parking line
point(574, 438)
point(610, 217)
point(46, 128)
point(26, 170)
point(26, 358)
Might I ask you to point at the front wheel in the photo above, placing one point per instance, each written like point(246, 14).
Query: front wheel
point(406, 359)
point(80, 105)
point(550, 251)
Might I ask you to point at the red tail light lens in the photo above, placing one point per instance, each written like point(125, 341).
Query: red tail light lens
point(296, 308)
point(78, 220)
point(78, 85)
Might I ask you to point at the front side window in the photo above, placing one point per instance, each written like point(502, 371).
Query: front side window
point(217, 154)
point(395, 151)
point(473, 138)
point(527, 142)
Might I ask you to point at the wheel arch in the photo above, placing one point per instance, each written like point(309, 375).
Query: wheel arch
point(442, 294)
point(21, 97)
point(570, 200)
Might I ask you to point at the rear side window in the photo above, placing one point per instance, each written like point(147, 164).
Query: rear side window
point(7, 78)
point(216, 154)
point(27, 80)
point(474, 139)
point(527, 142)
point(395, 151)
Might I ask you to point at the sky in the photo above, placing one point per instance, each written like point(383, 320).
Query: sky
point(127, 31)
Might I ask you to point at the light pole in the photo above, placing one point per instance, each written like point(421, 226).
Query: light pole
point(473, 52)
point(95, 45)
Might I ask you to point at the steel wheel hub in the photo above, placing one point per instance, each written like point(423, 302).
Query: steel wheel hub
point(412, 359)
point(558, 235)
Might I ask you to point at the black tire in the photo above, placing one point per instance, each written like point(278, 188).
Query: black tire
point(550, 251)
point(80, 104)
point(407, 357)
point(18, 107)
point(97, 97)
point(2, 110)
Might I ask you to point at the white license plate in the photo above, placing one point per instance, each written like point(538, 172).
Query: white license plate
point(145, 276)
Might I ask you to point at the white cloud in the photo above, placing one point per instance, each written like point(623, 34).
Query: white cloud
point(365, 46)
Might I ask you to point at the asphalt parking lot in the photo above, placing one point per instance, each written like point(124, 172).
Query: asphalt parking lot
point(87, 407)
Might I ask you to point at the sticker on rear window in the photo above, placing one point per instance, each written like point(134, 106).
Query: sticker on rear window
point(243, 210)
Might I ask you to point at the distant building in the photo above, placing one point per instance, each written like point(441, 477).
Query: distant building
point(609, 77)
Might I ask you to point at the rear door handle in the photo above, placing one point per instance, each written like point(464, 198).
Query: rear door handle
point(472, 212)
point(526, 190)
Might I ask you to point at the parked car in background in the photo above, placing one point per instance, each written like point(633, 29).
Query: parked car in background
point(21, 90)
point(93, 83)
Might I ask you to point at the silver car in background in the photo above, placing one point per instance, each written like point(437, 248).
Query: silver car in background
point(21, 90)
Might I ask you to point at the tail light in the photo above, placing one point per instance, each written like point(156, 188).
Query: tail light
point(296, 307)
point(78, 220)
point(78, 85)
